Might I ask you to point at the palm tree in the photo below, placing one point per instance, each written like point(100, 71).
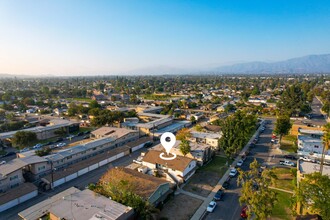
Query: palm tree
point(326, 140)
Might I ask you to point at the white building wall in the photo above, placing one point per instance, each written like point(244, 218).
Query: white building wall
point(315, 147)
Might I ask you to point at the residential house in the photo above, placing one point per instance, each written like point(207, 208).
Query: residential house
point(152, 189)
point(180, 169)
point(211, 139)
point(310, 145)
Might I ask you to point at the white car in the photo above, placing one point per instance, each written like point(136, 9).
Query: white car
point(233, 173)
point(2, 162)
point(307, 159)
point(61, 145)
point(37, 146)
point(211, 206)
point(239, 163)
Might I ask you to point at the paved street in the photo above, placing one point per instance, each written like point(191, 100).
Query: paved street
point(80, 182)
point(229, 208)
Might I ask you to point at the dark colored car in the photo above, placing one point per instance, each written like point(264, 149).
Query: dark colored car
point(87, 132)
point(59, 139)
point(9, 154)
point(226, 184)
point(80, 134)
point(244, 212)
point(86, 137)
point(219, 195)
point(289, 156)
point(50, 143)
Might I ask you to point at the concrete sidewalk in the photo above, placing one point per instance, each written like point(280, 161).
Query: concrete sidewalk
point(199, 214)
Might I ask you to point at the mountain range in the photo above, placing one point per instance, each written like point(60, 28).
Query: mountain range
point(306, 64)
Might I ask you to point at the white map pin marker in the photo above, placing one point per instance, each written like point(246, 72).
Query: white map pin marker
point(168, 141)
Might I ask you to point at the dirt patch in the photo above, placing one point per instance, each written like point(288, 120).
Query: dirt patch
point(175, 208)
point(202, 183)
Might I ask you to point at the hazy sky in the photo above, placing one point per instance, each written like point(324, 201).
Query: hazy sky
point(73, 37)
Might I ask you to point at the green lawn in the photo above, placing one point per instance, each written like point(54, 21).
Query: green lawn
point(285, 179)
point(217, 165)
point(282, 207)
point(291, 148)
point(289, 138)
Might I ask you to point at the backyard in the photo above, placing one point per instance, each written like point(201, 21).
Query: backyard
point(289, 143)
point(181, 207)
point(207, 177)
point(282, 207)
point(285, 178)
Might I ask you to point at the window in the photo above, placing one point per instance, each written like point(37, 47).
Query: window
point(14, 185)
point(41, 168)
point(13, 177)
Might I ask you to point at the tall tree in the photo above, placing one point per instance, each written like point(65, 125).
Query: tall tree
point(184, 147)
point(256, 194)
point(236, 131)
point(183, 134)
point(282, 126)
point(313, 192)
point(326, 140)
point(22, 139)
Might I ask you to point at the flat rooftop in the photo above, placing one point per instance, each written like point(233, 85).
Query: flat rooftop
point(310, 132)
point(85, 163)
point(54, 125)
point(75, 204)
point(17, 192)
point(172, 127)
point(204, 135)
point(308, 167)
point(308, 139)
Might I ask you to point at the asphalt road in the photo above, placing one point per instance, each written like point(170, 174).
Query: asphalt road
point(80, 182)
point(229, 208)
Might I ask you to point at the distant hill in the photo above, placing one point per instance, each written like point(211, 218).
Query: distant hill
point(306, 64)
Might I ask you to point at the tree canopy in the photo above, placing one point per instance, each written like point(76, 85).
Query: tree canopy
point(236, 131)
point(314, 192)
point(184, 147)
point(22, 139)
point(256, 194)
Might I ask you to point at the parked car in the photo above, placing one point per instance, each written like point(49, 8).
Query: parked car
point(233, 172)
point(290, 156)
point(80, 134)
point(61, 144)
point(244, 212)
point(243, 157)
point(262, 129)
point(219, 195)
point(86, 137)
point(211, 206)
point(50, 143)
point(87, 132)
point(10, 153)
point(37, 146)
point(307, 159)
point(287, 163)
point(2, 162)
point(239, 163)
point(70, 136)
point(226, 184)
point(24, 150)
point(59, 139)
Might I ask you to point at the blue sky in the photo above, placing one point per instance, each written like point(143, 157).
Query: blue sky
point(98, 37)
